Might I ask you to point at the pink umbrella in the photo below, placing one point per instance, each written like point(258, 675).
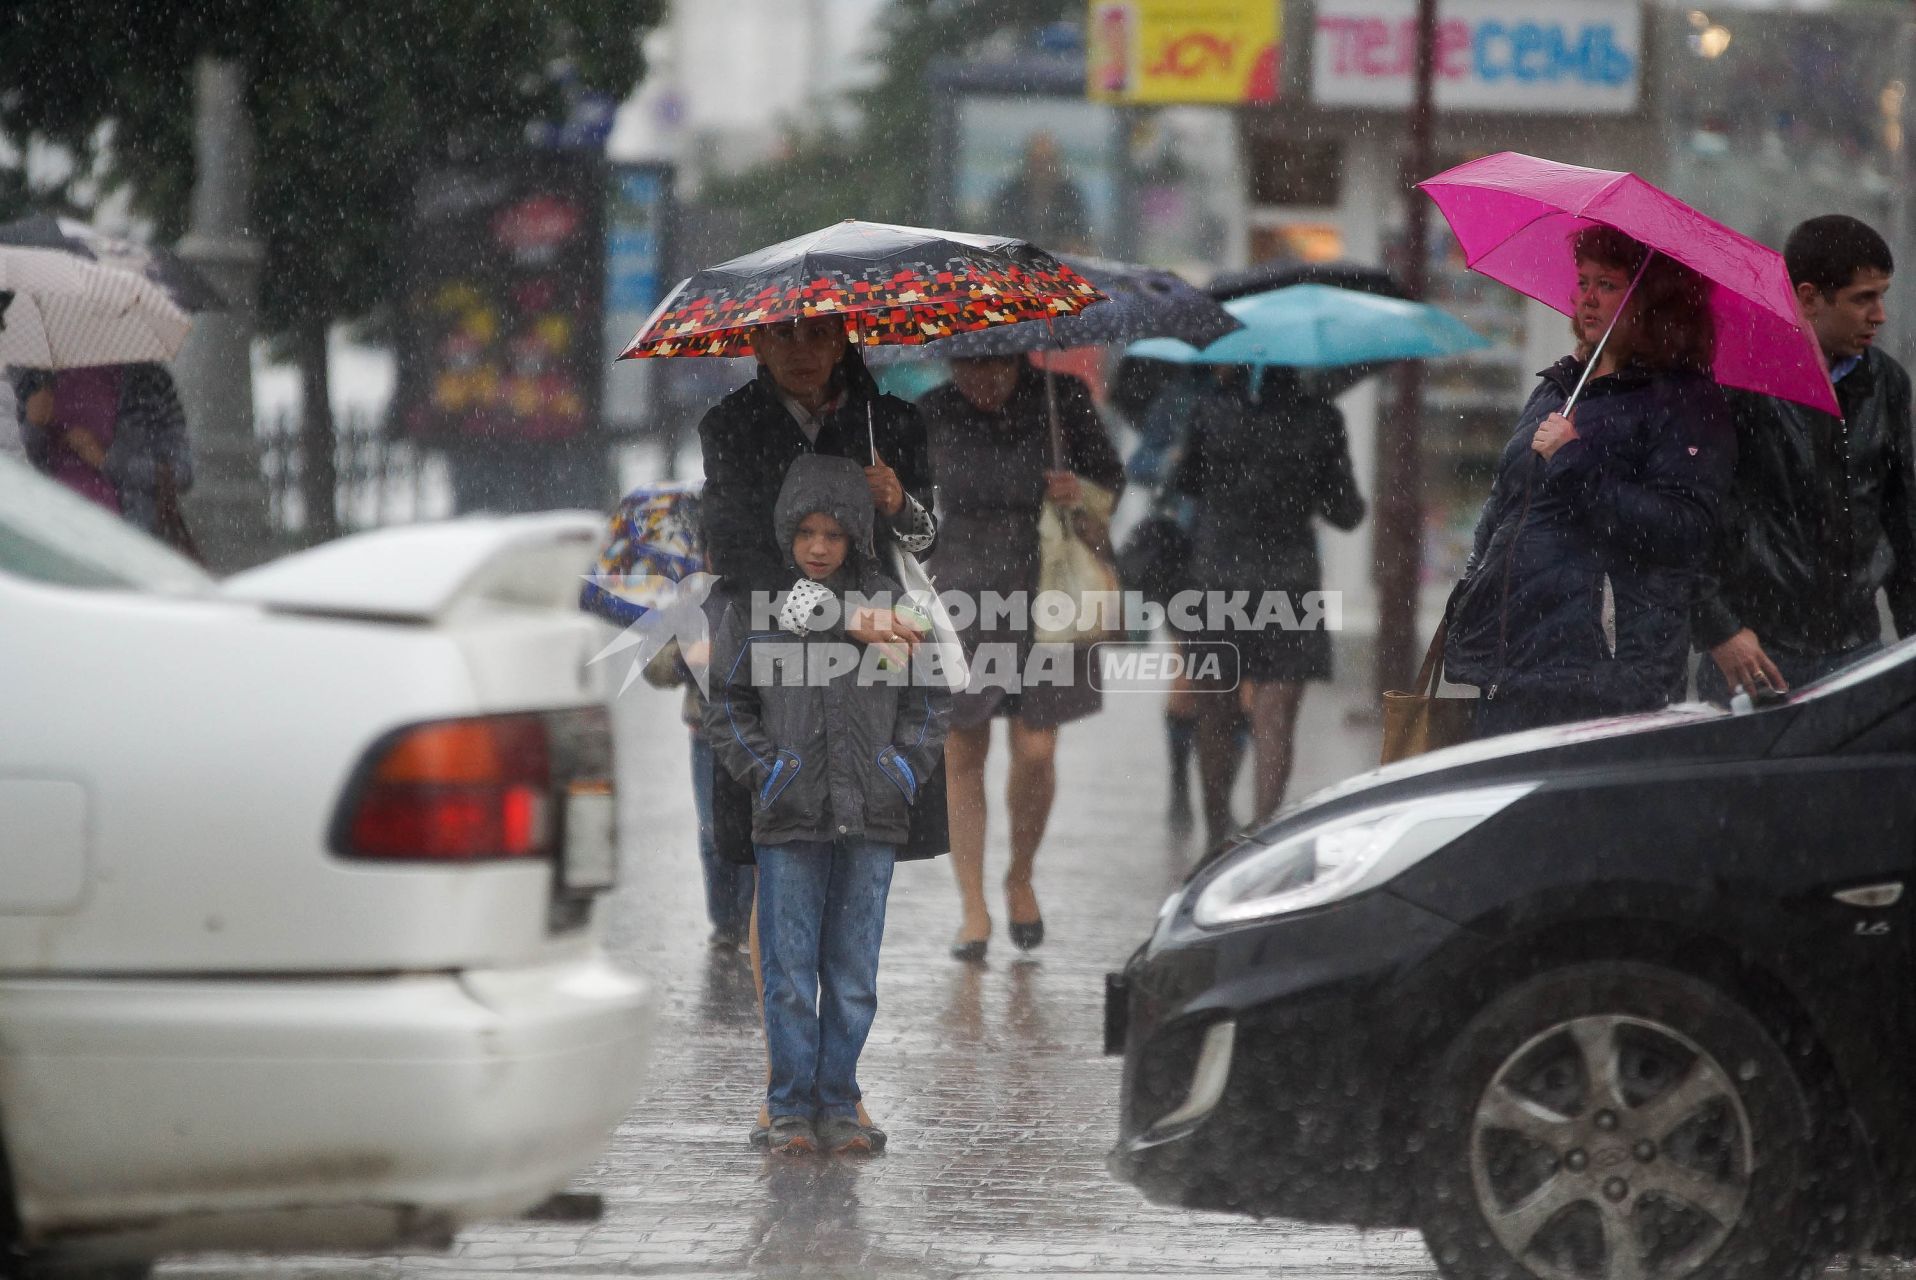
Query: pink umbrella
point(1514, 216)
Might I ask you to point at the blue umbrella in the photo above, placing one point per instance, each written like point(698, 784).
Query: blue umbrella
point(1315, 326)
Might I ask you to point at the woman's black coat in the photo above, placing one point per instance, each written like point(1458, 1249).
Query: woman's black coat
point(1263, 470)
point(1633, 499)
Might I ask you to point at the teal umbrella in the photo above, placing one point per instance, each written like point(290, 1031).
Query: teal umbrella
point(1316, 326)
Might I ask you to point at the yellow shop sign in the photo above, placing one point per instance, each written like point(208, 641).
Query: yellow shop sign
point(1184, 50)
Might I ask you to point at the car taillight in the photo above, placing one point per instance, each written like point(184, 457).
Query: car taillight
point(455, 791)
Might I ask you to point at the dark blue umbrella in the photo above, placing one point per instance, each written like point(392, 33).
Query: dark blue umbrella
point(1142, 302)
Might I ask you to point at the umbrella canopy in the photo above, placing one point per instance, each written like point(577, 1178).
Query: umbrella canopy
point(68, 312)
point(656, 543)
point(1514, 216)
point(1263, 277)
point(1314, 326)
point(1141, 302)
point(893, 285)
point(183, 283)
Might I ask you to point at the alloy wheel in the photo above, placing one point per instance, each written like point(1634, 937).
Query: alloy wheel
point(1611, 1148)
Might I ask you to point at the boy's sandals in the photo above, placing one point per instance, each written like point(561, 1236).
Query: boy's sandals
point(788, 1136)
point(843, 1135)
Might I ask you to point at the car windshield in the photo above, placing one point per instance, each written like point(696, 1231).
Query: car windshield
point(50, 534)
point(1864, 668)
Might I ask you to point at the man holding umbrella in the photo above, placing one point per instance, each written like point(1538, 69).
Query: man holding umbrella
point(1817, 500)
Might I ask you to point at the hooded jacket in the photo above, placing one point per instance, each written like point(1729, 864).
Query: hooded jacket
point(1822, 512)
point(1632, 501)
point(750, 439)
point(825, 758)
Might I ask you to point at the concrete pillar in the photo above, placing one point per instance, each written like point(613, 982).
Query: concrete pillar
point(227, 507)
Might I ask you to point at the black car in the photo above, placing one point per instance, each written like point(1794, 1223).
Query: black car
point(1632, 998)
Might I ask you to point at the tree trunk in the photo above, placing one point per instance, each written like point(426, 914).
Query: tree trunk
point(319, 476)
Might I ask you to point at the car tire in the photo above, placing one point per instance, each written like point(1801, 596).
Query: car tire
point(1617, 1106)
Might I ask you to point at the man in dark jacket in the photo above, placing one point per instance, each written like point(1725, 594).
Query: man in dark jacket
point(1822, 511)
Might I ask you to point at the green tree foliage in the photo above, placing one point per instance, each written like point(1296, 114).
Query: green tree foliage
point(881, 169)
point(349, 100)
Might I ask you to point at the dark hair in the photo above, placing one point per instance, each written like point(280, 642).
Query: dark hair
point(1828, 252)
point(1672, 326)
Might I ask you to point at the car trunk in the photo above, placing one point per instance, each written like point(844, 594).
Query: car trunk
point(209, 744)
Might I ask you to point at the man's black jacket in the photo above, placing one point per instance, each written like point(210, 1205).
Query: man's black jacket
point(750, 439)
point(1821, 513)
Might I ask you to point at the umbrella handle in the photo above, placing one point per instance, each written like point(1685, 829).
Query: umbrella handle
point(871, 429)
point(1051, 403)
point(1604, 341)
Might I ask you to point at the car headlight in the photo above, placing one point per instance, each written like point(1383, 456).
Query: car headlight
point(1344, 856)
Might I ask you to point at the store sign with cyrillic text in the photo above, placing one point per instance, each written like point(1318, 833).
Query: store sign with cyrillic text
point(1545, 56)
point(1165, 51)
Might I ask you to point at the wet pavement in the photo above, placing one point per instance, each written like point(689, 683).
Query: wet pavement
point(990, 1080)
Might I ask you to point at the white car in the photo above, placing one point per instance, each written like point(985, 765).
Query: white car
point(300, 870)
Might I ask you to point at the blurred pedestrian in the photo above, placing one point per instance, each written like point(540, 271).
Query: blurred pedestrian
point(1575, 601)
point(991, 444)
point(1264, 461)
point(1822, 510)
point(1041, 203)
point(655, 539)
point(1156, 558)
point(114, 434)
point(835, 763)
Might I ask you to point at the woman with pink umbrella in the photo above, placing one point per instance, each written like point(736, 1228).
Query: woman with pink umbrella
point(1575, 600)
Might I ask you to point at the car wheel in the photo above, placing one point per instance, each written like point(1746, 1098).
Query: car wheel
point(1616, 1121)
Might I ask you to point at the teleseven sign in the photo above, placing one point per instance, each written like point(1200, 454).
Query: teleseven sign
point(1577, 56)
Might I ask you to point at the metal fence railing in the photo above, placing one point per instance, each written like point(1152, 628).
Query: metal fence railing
point(382, 480)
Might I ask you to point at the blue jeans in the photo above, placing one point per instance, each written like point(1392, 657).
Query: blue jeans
point(821, 917)
point(1797, 668)
point(728, 886)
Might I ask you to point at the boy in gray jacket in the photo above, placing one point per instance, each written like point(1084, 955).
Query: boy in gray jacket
point(833, 739)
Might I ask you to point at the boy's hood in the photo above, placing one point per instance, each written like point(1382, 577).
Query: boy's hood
point(835, 486)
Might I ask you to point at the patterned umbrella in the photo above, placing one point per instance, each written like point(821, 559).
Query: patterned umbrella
point(68, 312)
point(182, 282)
point(893, 285)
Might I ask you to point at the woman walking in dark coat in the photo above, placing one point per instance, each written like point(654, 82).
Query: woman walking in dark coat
point(1618, 500)
point(991, 444)
point(1265, 460)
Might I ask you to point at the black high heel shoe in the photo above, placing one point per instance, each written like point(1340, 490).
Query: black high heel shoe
point(1026, 937)
point(972, 952)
